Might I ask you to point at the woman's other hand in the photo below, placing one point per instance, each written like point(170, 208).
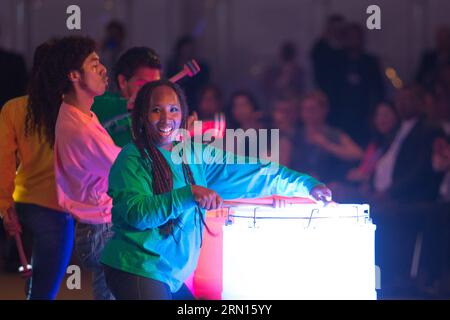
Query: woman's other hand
point(321, 193)
point(206, 198)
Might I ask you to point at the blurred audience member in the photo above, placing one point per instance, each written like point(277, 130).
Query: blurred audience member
point(326, 55)
point(210, 112)
point(442, 116)
point(184, 51)
point(361, 86)
point(112, 47)
point(433, 60)
point(244, 112)
point(320, 149)
point(210, 102)
point(286, 77)
point(385, 124)
point(404, 173)
point(284, 119)
point(441, 163)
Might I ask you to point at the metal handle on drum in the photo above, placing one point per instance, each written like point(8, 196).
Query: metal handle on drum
point(231, 204)
point(254, 217)
point(228, 220)
point(310, 217)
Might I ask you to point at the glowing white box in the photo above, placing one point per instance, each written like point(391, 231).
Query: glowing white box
point(299, 252)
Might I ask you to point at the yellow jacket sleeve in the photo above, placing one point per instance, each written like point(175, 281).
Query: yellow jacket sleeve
point(8, 149)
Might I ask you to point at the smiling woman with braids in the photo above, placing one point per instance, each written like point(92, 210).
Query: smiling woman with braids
point(159, 204)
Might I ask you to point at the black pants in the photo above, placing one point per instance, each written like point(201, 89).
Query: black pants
point(128, 286)
point(52, 234)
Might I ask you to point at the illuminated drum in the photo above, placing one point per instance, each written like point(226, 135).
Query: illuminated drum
point(299, 251)
point(207, 278)
point(206, 281)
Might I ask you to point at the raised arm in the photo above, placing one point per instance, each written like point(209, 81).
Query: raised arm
point(233, 177)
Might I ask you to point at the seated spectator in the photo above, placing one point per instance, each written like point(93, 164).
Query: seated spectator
point(406, 181)
point(244, 112)
point(210, 111)
point(285, 77)
point(321, 149)
point(404, 173)
point(283, 109)
point(385, 124)
point(441, 163)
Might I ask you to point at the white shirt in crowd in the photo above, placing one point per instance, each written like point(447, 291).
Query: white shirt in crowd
point(385, 166)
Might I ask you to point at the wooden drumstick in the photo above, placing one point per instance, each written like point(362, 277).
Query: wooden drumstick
point(190, 69)
point(228, 204)
point(25, 269)
point(274, 201)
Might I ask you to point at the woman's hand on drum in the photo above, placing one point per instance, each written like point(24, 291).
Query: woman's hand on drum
point(206, 198)
point(321, 193)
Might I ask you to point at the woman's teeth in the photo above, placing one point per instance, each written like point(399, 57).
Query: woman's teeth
point(165, 130)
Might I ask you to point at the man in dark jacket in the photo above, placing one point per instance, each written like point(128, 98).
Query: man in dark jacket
point(404, 173)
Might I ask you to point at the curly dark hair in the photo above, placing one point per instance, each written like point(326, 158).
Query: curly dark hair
point(145, 139)
point(134, 59)
point(51, 81)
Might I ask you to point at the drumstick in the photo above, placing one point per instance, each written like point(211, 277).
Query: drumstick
point(416, 256)
point(275, 201)
point(191, 68)
point(228, 203)
point(25, 269)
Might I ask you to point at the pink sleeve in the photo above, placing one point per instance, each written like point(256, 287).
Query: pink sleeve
point(82, 165)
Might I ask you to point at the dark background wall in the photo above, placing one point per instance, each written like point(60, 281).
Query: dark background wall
point(237, 37)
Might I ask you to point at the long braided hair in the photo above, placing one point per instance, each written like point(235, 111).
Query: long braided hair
point(146, 139)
